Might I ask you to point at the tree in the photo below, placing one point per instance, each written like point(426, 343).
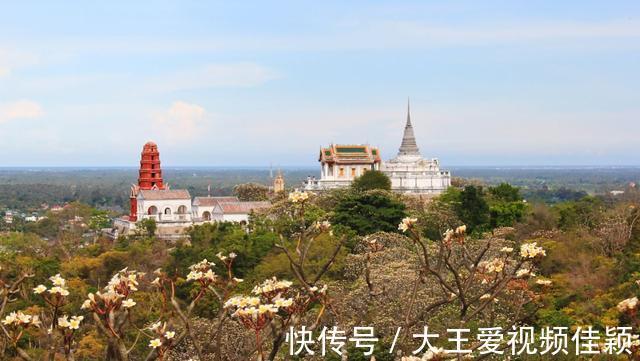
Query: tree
point(506, 192)
point(370, 180)
point(473, 209)
point(369, 212)
point(251, 192)
point(149, 226)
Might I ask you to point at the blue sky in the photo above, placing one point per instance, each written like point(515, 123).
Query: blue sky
point(259, 82)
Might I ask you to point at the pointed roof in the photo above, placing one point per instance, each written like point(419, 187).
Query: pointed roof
point(409, 145)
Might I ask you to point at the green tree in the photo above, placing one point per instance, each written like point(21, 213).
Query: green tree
point(506, 192)
point(373, 179)
point(251, 192)
point(473, 209)
point(149, 226)
point(369, 212)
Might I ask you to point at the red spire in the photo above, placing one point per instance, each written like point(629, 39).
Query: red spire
point(149, 176)
point(150, 173)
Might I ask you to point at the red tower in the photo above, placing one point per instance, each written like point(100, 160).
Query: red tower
point(149, 176)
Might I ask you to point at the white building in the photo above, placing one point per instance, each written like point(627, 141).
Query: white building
point(203, 206)
point(237, 211)
point(341, 164)
point(410, 173)
point(164, 206)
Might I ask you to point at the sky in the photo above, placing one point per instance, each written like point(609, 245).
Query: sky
point(254, 83)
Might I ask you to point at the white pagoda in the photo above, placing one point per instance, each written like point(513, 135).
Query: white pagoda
point(410, 173)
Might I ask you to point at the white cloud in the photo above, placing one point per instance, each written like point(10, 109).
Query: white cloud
point(21, 109)
point(181, 122)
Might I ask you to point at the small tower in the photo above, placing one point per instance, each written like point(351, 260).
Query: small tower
point(149, 176)
point(278, 183)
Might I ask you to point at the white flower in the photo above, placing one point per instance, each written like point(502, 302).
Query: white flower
point(155, 343)
point(495, 265)
point(298, 197)
point(38, 290)
point(542, 282)
point(57, 280)
point(128, 303)
point(64, 321)
point(238, 280)
point(531, 250)
point(156, 282)
point(486, 296)
point(232, 255)
point(461, 229)
point(10, 319)
point(407, 223)
point(448, 234)
point(628, 305)
point(74, 323)
point(506, 250)
point(58, 290)
point(169, 335)
point(525, 272)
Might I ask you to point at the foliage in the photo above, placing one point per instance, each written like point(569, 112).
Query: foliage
point(251, 192)
point(370, 180)
point(369, 212)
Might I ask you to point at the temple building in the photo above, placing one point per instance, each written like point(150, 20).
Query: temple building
point(173, 209)
point(341, 164)
point(410, 172)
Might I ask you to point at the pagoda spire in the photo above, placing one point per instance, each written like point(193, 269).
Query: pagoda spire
point(409, 145)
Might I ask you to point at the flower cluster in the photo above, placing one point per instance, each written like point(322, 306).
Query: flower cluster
point(495, 265)
point(72, 323)
point(543, 282)
point(251, 312)
point(202, 272)
point(164, 338)
point(630, 304)
point(115, 294)
point(531, 250)
point(458, 233)
point(271, 288)
point(20, 319)
point(58, 289)
point(407, 223)
point(524, 272)
point(298, 197)
point(322, 226)
point(224, 258)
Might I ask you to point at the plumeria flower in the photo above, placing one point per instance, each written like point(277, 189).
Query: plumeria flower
point(298, 197)
point(155, 343)
point(57, 280)
point(531, 250)
point(543, 282)
point(461, 229)
point(407, 223)
point(59, 290)
point(629, 304)
point(448, 234)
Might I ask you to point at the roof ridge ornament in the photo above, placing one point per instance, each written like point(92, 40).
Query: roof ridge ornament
point(408, 145)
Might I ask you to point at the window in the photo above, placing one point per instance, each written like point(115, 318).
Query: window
point(353, 172)
point(341, 172)
point(167, 210)
point(152, 210)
